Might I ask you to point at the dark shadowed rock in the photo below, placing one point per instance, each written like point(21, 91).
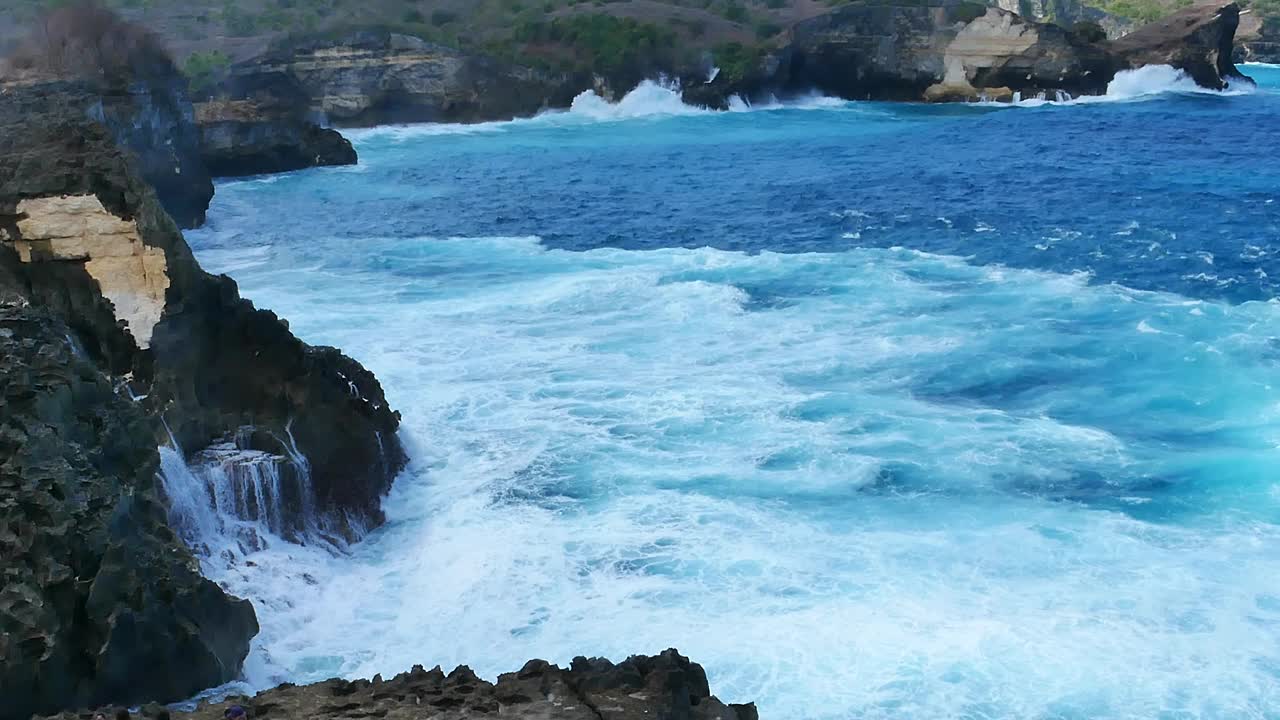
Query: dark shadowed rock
point(1198, 40)
point(663, 687)
point(122, 76)
point(103, 603)
point(242, 138)
point(95, 585)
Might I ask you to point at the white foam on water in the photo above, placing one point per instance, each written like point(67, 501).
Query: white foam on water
point(1145, 83)
point(651, 99)
point(853, 485)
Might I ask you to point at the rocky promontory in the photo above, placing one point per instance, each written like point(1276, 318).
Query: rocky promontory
point(116, 343)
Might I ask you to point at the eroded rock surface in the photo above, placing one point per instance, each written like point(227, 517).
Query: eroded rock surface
point(246, 137)
point(1199, 41)
point(153, 343)
point(372, 78)
point(960, 50)
point(664, 687)
point(96, 592)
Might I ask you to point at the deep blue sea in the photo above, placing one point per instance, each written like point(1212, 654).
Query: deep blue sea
point(875, 410)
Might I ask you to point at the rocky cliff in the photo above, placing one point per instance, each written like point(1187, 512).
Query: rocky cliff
point(121, 76)
point(98, 587)
point(377, 77)
point(95, 585)
point(957, 50)
point(244, 137)
point(663, 687)
point(1258, 39)
point(1199, 41)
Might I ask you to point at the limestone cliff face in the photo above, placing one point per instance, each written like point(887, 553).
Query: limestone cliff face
point(1067, 13)
point(372, 78)
point(959, 50)
point(85, 243)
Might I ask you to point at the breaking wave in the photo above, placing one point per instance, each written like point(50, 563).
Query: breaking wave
point(1144, 83)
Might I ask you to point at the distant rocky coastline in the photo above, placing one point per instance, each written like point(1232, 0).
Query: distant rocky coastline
point(946, 50)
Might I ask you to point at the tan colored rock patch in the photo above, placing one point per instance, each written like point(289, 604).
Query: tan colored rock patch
point(132, 275)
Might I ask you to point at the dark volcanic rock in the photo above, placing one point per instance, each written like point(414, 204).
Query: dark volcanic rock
point(110, 615)
point(123, 78)
point(155, 121)
point(373, 78)
point(96, 587)
point(1198, 40)
point(240, 138)
point(664, 687)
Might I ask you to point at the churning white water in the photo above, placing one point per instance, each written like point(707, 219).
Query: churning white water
point(851, 479)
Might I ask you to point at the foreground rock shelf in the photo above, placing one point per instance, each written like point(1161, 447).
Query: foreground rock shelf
point(664, 687)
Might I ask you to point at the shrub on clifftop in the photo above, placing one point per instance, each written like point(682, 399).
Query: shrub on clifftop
point(89, 42)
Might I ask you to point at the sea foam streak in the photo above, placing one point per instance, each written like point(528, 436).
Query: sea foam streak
point(651, 99)
point(1144, 83)
point(870, 484)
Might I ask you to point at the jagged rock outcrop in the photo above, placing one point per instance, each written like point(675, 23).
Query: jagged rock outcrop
point(960, 50)
point(241, 137)
point(85, 242)
point(663, 687)
point(374, 77)
point(94, 586)
point(1198, 40)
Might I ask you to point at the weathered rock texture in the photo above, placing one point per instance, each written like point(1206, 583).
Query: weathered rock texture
point(122, 77)
point(664, 687)
point(1199, 41)
point(244, 137)
point(96, 593)
point(960, 50)
point(1068, 13)
point(84, 240)
point(372, 78)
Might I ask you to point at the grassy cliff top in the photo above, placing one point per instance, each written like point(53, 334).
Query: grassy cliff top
point(205, 34)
